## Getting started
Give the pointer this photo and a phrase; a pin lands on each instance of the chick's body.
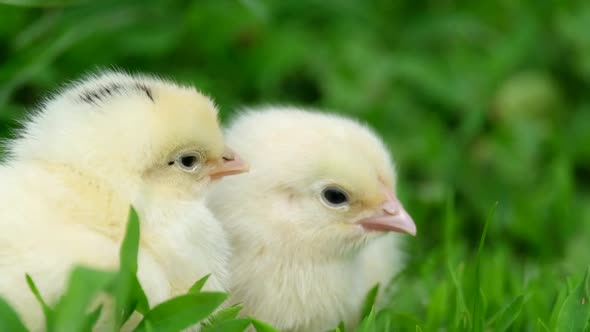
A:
(306, 224)
(101, 145)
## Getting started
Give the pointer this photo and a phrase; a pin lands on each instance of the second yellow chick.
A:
(316, 222)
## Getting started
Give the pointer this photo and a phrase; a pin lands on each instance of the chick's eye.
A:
(334, 196)
(188, 162)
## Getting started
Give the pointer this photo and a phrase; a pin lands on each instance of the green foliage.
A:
(461, 300)
(181, 312)
(197, 286)
(9, 319)
(47, 311)
(83, 287)
(505, 317)
(368, 323)
(40, 3)
(260, 326)
(230, 325)
(575, 311)
(480, 102)
(129, 295)
(228, 313)
(369, 302)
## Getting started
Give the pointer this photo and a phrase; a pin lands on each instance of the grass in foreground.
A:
(471, 285)
(486, 290)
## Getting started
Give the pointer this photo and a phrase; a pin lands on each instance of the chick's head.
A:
(142, 135)
(317, 182)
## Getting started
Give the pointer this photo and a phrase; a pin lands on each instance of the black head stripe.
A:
(145, 89)
(103, 93)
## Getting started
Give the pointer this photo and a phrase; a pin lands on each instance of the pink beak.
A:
(391, 217)
(232, 164)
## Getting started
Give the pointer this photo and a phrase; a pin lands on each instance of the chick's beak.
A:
(231, 164)
(391, 217)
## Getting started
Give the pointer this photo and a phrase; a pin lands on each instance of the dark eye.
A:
(188, 162)
(334, 196)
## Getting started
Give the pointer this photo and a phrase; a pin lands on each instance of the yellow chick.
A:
(310, 223)
(98, 146)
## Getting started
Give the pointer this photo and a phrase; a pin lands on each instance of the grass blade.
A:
(368, 324)
(199, 284)
(130, 246)
(47, 311)
(557, 305)
(450, 224)
(223, 315)
(9, 319)
(477, 311)
(181, 312)
(83, 286)
(91, 319)
(541, 326)
(575, 312)
(127, 290)
(260, 326)
(369, 301)
(507, 315)
(461, 312)
(230, 325)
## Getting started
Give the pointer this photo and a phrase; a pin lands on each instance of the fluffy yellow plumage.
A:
(308, 222)
(95, 148)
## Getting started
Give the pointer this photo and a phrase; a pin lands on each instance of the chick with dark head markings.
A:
(315, 224)
(99, 146)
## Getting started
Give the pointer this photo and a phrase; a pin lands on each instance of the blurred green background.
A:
(481, 102)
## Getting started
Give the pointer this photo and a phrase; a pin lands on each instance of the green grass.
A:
(76, 310)
(486, 107)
